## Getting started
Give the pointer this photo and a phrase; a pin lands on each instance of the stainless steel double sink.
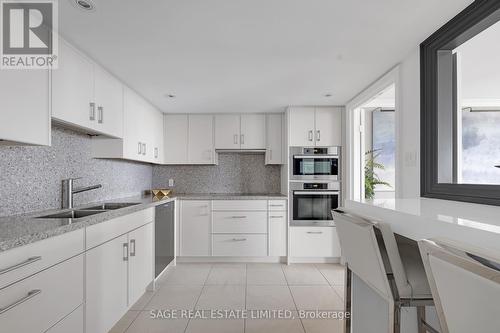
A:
(88, 211)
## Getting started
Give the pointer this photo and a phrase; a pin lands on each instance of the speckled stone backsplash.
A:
(30, 177)
(236, 173)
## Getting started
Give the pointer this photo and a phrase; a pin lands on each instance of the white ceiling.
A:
(251, 55)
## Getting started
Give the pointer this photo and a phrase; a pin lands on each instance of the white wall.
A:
(409, 125)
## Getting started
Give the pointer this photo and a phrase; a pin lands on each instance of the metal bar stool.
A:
(465, 283)
(390, 264)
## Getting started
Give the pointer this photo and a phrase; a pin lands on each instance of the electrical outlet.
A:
(170, 182)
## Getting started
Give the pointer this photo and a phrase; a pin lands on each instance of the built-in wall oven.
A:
(312, 202)
(315, 163)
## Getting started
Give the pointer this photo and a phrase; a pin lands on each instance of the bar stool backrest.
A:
(465, 284)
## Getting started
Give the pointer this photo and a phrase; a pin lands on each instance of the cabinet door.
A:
(253, 131)
(195, 228)
(109, 103)
(201, 139)
(25, 114)
(301, 126)
(133, 123)
(277, 233)
(157, 133)
(140, 267)
(176, 138)
(106, 284)
(227, 131)
(73, 88)
(274, 142)
(328, 126)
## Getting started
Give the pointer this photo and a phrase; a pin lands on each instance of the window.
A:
(461, 107)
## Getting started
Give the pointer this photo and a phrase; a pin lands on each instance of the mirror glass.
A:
(468, 104)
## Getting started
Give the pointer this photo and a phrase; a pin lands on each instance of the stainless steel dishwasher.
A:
(164, 236)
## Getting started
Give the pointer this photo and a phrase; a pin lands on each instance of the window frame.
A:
(461, 28)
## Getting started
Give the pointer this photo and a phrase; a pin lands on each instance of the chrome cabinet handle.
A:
(276, 216)
(21, 264)
(238, 217)
(100, 114)
(315, 232)
(318, 135)
(239, 239)
(156, 152)
(139, 150)
(310, 135)
(92, 111)
(132, 247)
(276, 206)
(125, 251)
(29, 296)
(144, 149)
(242, 139)
(235, 139)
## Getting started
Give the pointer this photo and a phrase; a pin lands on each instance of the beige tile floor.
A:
(203, 288)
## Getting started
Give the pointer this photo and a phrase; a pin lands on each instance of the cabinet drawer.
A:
(277, 205)
(239, 245)
(239, 205)
(23, 261)
(240, 222)
(105, 231)
(42, 299)
(314, 242)
(72, 323)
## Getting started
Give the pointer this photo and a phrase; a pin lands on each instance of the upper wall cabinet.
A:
(86, 96)
(25, 110)
(189, 139)
(240, 132)
(315, 126)
(274, 139)
(142, 133)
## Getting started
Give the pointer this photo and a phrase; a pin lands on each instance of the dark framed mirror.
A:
(460, 107)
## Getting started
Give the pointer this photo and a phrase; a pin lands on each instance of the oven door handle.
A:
(316, 193)
(315, 156)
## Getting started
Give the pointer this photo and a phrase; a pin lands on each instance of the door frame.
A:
(353, 189)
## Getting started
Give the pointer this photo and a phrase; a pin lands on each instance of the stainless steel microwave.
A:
(315, 163)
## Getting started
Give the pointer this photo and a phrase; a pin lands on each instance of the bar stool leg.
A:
(397, 318)
(421, 319)
(347, 299)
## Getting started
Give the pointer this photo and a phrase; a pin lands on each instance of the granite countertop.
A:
(19, 230)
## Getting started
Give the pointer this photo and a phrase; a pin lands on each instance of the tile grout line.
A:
(133, 320)
(199, 296)
(293, 298)
(246, 290)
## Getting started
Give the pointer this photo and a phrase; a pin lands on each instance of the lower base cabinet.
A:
(314, 242)
(140, 264)
(239, 245)
(277, 233)
(41, 301)
(106, 279)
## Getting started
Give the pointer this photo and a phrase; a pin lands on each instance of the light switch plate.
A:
(170, 182)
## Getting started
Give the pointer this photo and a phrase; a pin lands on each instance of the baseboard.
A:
(317, 260)
(231, 259)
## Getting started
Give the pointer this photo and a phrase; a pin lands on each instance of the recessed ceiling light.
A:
(328, 95)
(86, 5)
(170, 95)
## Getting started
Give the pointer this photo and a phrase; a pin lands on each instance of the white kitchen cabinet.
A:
(176, 139)
(246, 131)
(72, 323)
(274, 139)
(106, 284)
(227, 131)
(140, 265)
(25, 114)
(195, 228)
(73, 88)
(314, 242)
(328, 126)
(277, 230)
(253, 131)
(201, 139)
(315, 126)
(37, 303)
(108, 97)
(239, 245)
(301, 126)
(158, 140)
